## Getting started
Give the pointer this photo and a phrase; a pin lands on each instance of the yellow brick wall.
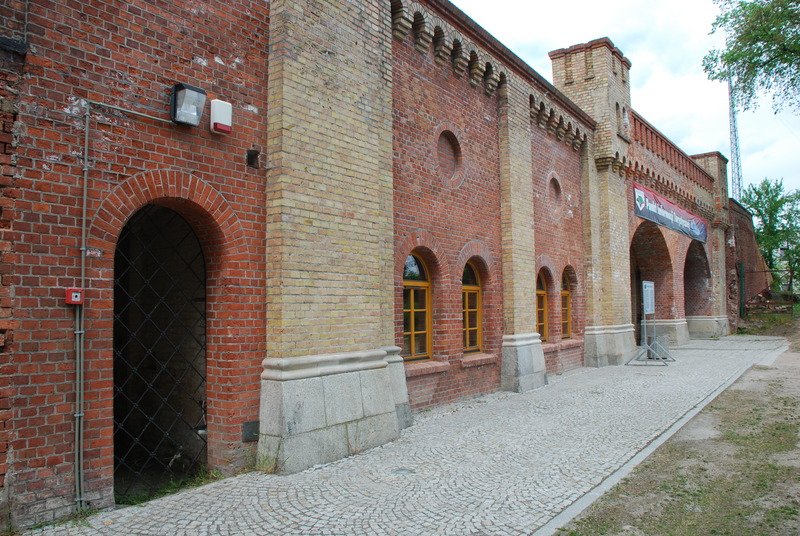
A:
(516, 208)
(329, 189)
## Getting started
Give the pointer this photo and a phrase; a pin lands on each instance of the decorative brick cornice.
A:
(449, 45)
(487, 68)
(557, 123)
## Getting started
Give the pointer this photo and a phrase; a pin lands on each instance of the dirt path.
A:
(732, 470)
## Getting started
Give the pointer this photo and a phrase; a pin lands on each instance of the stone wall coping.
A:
(476, 360)
(667, 321)
(522, 339)
(423, 368)
(564, 344)
(608, 330)
(297, 368)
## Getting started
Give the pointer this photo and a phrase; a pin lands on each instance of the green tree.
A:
(790, 252)
(777, 228)
(762, 51)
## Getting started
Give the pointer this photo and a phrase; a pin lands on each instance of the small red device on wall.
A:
(221, 117)
(74, 296)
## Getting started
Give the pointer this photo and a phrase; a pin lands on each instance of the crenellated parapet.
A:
(449, 46)
(557, 123)
(433, 34)
(658, 144)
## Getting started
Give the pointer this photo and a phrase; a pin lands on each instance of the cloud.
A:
(666, 42)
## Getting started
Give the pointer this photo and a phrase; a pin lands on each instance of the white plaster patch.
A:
(200, 61)
(75, 106)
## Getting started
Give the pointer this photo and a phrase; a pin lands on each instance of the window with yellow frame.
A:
(471, 304)
(541, 307)
(416, 310)
(566, 308)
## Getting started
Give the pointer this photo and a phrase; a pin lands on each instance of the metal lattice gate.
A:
(159, 355)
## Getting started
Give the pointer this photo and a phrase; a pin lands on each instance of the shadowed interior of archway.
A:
(159, 355)
(650, 261)
(697, 282)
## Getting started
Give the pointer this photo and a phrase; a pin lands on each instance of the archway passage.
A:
(697, 282)
(650, 261)
(159, 355)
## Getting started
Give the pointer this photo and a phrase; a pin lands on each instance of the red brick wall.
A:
(447, 221)
(129, 54)
(10, 68)
(558, 212)
(745, 251)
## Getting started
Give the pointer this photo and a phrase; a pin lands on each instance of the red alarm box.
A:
(74, 296)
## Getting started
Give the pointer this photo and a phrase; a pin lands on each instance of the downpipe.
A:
(80, 318)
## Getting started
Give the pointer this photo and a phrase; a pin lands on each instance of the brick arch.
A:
(697, 295)
(432, 253)
(572, 275)
(236, 318)
(651, 258)
(472, 250)
(545, 261)
(181, 191)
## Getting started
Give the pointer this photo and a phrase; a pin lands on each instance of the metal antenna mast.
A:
(736, 157)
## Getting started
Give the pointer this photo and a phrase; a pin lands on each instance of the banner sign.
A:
(651, 206)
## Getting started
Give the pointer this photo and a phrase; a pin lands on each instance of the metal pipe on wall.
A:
(80, 319)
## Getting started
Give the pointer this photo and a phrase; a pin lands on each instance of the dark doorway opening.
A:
(650, 261)
(159, 355)
(698, 299)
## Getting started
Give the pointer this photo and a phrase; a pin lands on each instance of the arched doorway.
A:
(159, 354)
(650, 261)
(697, 282)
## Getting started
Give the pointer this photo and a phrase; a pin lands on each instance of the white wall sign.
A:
(649, 297)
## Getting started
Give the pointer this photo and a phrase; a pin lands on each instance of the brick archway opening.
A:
(650, 261)
(697, 282)
(235, 320)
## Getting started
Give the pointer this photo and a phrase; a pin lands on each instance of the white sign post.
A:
(649, 297)
(651, 352)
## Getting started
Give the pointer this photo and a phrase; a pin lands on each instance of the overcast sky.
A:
(666, 42)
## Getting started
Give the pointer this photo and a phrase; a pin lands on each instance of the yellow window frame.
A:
(566, 314)
(541, 314)
(466, 292)
(414, 332)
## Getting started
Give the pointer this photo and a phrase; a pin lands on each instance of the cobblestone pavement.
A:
(501, 464)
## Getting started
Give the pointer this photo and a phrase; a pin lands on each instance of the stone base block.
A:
(295, 453)
(708, 327)
(523, 367)
(397, 379)
(609, 345)
(320, 409)
(672, 332)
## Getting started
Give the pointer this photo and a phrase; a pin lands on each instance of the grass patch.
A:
(768, 323)
(168, 488)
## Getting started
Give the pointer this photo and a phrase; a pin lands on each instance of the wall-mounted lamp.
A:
(187, 104)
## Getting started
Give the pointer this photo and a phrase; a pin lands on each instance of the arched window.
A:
(566, 307)
(471, 307)
(416, 310)
(541, 307)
